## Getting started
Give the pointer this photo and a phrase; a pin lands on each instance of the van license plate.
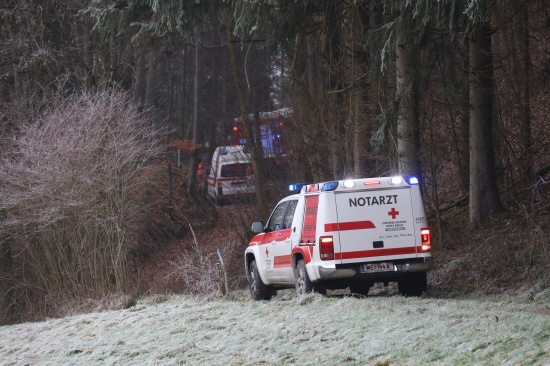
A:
(376, 267)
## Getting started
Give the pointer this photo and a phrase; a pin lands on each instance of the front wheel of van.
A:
(258, 289)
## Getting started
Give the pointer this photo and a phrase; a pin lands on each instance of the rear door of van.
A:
(236, 178)
(374, 225)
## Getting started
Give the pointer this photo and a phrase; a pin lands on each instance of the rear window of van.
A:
(235, 170)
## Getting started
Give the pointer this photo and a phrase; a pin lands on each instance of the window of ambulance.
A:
(282, 216)
(234, 170)
(276, 219)
(289, 216)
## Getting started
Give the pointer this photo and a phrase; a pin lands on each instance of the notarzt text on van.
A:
(372, 201)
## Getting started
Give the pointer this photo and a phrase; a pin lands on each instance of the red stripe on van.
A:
(375, 253)
(309, 228)
(282, 261)
(355, 225)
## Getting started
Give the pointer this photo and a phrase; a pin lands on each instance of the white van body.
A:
(230, 174)
(342, 234)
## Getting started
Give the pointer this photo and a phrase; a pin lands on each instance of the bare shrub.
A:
(512, 253)
(65, 197)
(201, 271)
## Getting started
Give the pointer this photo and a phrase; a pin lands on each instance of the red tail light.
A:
(327, 248)
(426, 240)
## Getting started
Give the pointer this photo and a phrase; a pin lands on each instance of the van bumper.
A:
(332, 272)
(416, 267)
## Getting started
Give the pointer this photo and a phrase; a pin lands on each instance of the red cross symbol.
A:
(266, 252)
(393, 213)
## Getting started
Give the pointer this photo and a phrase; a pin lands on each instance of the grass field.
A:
(313, 330)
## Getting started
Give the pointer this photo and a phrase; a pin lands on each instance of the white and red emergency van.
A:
(230, 173)
(340, 234)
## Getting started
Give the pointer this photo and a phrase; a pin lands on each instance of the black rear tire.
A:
(258, 289)
(303, 283)
(414, 284)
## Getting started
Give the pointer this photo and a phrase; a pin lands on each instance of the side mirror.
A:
(258, 227)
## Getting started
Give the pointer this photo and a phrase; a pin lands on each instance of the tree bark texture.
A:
(408, 134)
(150, 90)
(484, 197)
(333, 53)
(244, 107)
(523, 73)
(141, 71)
(192, 173)
(6, 282)
(360, 109)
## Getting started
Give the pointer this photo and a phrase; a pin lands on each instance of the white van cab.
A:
(340, 234)
(230, 173)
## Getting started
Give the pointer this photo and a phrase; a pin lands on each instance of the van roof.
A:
(233, 154)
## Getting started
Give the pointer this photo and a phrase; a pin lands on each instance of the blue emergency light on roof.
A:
(330, 186)
(246, 150)
(412, 180)
(296, 187)
(223, 151)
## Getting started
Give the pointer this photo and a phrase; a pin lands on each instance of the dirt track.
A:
(159, 272)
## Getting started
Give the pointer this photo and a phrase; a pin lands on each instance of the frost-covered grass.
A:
(314, 330)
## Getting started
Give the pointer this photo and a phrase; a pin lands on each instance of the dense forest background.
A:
(99, 98)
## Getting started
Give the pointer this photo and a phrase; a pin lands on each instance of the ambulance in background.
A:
(230, 174)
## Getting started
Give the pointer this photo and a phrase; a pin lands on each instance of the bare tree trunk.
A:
(6, 282)
(150, 91)
(359, 133)
(524, 82)
(258, 133)
(183, 100)
(463, 152)
(245, 113)
(360, 63)
(334, 58)
(336, 147)
(192, 173)
(111, 72)
(408, 135)
(140, 87)
(87, 52)
(305, 109)
(484, 197)
(313, 98)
